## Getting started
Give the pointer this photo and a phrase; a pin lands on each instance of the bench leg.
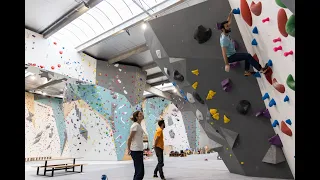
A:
(45, 168)
(81, 168)
(38, 171)
(52, 172)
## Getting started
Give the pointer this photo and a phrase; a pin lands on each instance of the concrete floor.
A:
(192, 167)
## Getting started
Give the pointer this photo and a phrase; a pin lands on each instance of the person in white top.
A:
(135, 145)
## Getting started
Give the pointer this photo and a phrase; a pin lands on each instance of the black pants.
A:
(249, 60)
(137, 157)
(159, 153)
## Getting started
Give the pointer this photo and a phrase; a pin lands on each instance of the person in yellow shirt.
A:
(158, 147)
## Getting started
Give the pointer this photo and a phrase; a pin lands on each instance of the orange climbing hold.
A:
(279, 87)
(268, 75)
(285, 129)
(245, 12)
(256, 8)
(282, 21)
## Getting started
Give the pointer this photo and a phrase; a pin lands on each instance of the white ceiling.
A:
(39, 14)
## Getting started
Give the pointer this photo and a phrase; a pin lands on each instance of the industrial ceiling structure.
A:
(107, 30)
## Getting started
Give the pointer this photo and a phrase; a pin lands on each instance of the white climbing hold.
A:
(199, 115)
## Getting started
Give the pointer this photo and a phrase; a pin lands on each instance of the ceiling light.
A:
(44, 93)
(144, 26)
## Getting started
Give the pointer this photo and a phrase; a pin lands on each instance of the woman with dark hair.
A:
(135, 145)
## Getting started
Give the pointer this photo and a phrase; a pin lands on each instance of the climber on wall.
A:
(229, 53)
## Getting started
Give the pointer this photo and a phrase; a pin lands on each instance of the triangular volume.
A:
(274, 155)
(230, 136)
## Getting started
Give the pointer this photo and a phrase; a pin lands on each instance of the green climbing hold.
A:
(279, 3)
(290, 26)
(290, 82)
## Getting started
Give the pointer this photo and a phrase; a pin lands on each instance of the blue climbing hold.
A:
(174, 84)
(269, 63)
(185, 98)
(288, 121)
(255, 30)
(265, 96)
(236, 11)
(181, 91)
(104, 177)
(257, 75)
(275, 123)
(272, 103)
(286, 99)
(254, 42)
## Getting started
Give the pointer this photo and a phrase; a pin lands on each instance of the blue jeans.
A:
(249, 60)
(137, 157)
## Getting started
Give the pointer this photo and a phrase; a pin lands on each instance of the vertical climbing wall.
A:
(171, 43)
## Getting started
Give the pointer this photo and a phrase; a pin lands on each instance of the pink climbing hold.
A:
(265, 20)
(60, 52)
(52, 67)
(277, 48)
(288, 53)
(277, 40)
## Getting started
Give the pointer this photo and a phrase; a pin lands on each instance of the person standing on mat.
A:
(158, 147)
(135, 145)
(229, 53)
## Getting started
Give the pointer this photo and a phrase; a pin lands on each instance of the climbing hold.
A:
(255, 57)
(272, 103)
(282, 20)
(268, 75)
(52, 67)
(290, 82)
(236, 11)
(234, 64)
(265, 20)
(41, 66)
(257, 75)
(275, 49)
(290, 26)
(195, 72)
(166, 71)
(256, 8)
(190, 98)
(243, 107)
(197, 97)
(255, 30)
(59, 65)
(254, 42)
(225, 119)
(226, 85)
(210, 94)
(275, 140)
(216, 116)
(279, 87)
(174, 84)
(263, 112)
(104, 177)
(285, 129)
(195, 85)
(213, 111)
(279, 3)
(245, 12)
(177, 76)
(269, 63)
(202, 34)
(265, 96)
(199, 115)
(60, 52)
(288, 53)
(288, 121)
(241, 162)
(54, 43)
(275, 123)
(277, 40)
(286, 99)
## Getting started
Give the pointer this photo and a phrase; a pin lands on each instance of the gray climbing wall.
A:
(245, 137)
(127, 80)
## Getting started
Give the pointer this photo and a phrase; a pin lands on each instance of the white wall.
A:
(44, 52)
(282, 66)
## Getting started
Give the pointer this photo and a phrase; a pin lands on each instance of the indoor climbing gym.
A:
(159, 89)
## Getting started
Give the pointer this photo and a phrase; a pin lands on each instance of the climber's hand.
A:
(227, 67)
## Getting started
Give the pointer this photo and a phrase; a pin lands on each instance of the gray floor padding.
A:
(192, 167)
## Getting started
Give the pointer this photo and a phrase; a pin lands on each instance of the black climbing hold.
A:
(243, 107)
(202, 34)
(177, 76)
(197, 97)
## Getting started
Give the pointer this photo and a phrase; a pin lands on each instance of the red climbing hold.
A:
(59, 65)
(52, 67)
(60, 52)
(282, 20)
(279, 87)
(265, 20)
(256, 8)
(41, 66)
(54, 43)
(255, 57)
(34, 65)
(245, 12)
(285, 129)
(268, 75)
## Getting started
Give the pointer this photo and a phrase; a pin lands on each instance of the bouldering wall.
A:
(275, 40)
(245, 148)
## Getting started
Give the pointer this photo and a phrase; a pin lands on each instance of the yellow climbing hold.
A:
(195, 72)
(242, 163)
(227, 148)
(213, 111)
(195, 85)
(211, 123)
(226, 119)
(99, 74)
(230, 155)
(210, 94)
(216, 116)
